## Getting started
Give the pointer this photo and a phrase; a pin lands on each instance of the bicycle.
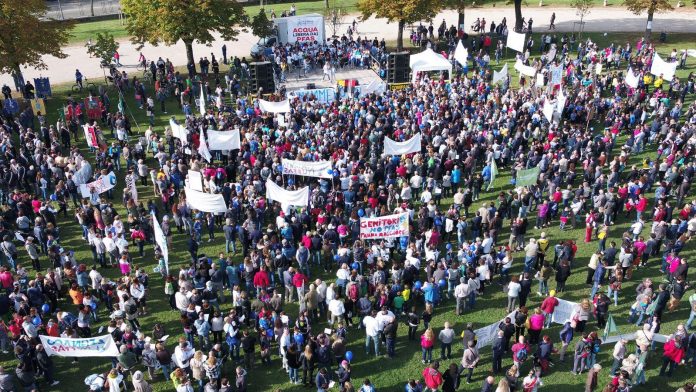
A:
(76, 88)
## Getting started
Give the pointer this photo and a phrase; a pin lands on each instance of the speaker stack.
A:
(398, 70)
(261, 77)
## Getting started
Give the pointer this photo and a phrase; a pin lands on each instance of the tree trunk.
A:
(648, 26)
(189, 54)
(518, 16)
(400, 36)
(460, 20)
(326, 4)
(91, 7)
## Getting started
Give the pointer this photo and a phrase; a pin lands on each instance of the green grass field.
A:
(386, 374)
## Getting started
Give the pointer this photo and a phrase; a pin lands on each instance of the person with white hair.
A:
(139, 383)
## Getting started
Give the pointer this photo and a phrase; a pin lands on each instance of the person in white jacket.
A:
(337, 309)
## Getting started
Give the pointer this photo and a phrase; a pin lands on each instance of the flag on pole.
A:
(121, 104)
(201, 102)
(203, 147)
(161, 241)
(610, 327)
(494, 172)
(502, 75)
(461, 54)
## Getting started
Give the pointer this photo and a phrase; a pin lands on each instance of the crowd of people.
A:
(238, 307)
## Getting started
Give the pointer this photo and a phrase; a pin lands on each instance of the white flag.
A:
(161, 241)
(203, 148)
(548, 110)
(201, 102)
(515, 41)
(461, 54)
(502, 75)
(560, 103)
(631, 79)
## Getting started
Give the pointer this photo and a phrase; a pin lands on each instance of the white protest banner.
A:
(286, 198)
(206, 202)
(305, 29)
(548, 110)
(525, 69)
(392, 147)
(101, 185)
(502, 75)
(598, 69)
(274, 107)
(515, 41)
(178, 131)
(661, 67)
(556, 75)
(563, 311)
(161, 241)
(691, 52)
(631, 79)
(485, 335)
(323, 95)
(461, 54)
(201, 102)
(203, 147)
(98, 346)
(308, 169)
(223, 140)
(387, 226)
(83, 174)
(195, 180)
(132, 186)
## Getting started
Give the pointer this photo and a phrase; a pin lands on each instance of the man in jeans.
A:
(371, 332)
(446, 337)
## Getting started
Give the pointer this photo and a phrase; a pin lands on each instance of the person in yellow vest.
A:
(658, 82)
(543, 245)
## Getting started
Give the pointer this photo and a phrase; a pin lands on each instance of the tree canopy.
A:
(649, 6)
(401, 11)
(104, 47)
(261, 26)
(25, 35)
(168, 21)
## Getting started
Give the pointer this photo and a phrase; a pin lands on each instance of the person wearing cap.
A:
(548, 306)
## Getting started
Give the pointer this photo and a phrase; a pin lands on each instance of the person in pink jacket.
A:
(536, 324)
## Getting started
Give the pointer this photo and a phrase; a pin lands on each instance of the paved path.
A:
(600, 19)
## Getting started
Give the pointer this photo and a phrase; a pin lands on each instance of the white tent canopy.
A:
(428, 60)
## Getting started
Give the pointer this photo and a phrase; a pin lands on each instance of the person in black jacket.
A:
(499, 346)
(46, 365)
(249, 347)
(390, 335)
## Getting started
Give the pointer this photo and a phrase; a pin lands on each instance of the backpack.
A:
(131, 308)
(522, 355)
(595, 347)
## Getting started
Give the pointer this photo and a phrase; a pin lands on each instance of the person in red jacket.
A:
(673, 354)
(299, 280)
(261, 281)
(548, 306)
(641, 206)
(432, 377)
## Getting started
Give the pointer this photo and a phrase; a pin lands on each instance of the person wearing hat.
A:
(139, 383)
(548, 306)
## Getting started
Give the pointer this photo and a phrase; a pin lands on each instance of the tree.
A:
(518, 15)
(26, 35)
(460, 6)
(104, 47)
(582, 9)
(168, 21)
(401, 11)
(335, 16)
(260, 25)
(649, 6)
